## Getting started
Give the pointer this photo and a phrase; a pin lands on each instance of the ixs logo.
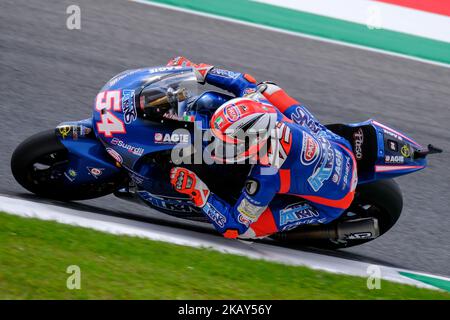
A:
(310, 150)
(358, 140)
(128, 106)
(134, 150)
(171, 138)
(215, 215)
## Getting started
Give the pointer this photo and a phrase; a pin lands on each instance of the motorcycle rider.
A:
(302, 158)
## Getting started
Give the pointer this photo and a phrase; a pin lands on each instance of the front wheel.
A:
(39, 164)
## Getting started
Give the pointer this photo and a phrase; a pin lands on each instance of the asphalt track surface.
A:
(49, 74)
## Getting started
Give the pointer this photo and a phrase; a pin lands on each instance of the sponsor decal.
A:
(171, 138)
(70, 175)
(116, 79)
(189, 118)
(76, 130)
(251, 200)
(394, 159)
(297, 213)
(310, 150)
(64, 130)
(116, 156)
(302, 117)
(359, 235)
(162, 69)
(249, 91)
(251, 187)
(338, 167)
(392, 145)
(358, 140)
(167, 203)
(346, 173)
(158, 137)
(171, 116)
(137, 151)
(224, 73)
(324, 168)
(250, 211)
(84, 131)
(405, 151)
(232, 113)
(128, 106)
(121, 76)
(392, 134)
(95, 172)
(244, 220)
(214, 215)
(218, 123)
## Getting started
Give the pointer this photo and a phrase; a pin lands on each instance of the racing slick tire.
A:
(38, 164)
(381, 200)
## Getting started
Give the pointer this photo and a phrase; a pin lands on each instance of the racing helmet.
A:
(242, 128)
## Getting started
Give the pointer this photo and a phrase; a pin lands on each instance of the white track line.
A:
(178, 236)
(297, 34)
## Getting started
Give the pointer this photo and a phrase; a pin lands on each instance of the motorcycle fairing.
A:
(380, 151)
(137, 136)
(87, 157)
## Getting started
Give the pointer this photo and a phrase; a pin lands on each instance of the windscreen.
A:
(168, 95)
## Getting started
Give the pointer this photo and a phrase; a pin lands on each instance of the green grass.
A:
(34, 256)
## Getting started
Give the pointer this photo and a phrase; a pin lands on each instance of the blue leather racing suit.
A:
(311, 163)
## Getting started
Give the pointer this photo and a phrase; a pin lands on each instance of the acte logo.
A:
(171, 138)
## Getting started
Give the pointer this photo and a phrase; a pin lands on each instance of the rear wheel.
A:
(39, 164)
(381, 200)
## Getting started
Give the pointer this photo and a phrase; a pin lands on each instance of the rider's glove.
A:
(201, 69)
(187, 182)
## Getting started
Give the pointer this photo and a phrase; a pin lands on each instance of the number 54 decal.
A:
(109, 124)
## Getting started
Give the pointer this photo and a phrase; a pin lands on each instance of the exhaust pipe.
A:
(358, 229)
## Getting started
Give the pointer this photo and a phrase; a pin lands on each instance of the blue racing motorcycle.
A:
(148, 120)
